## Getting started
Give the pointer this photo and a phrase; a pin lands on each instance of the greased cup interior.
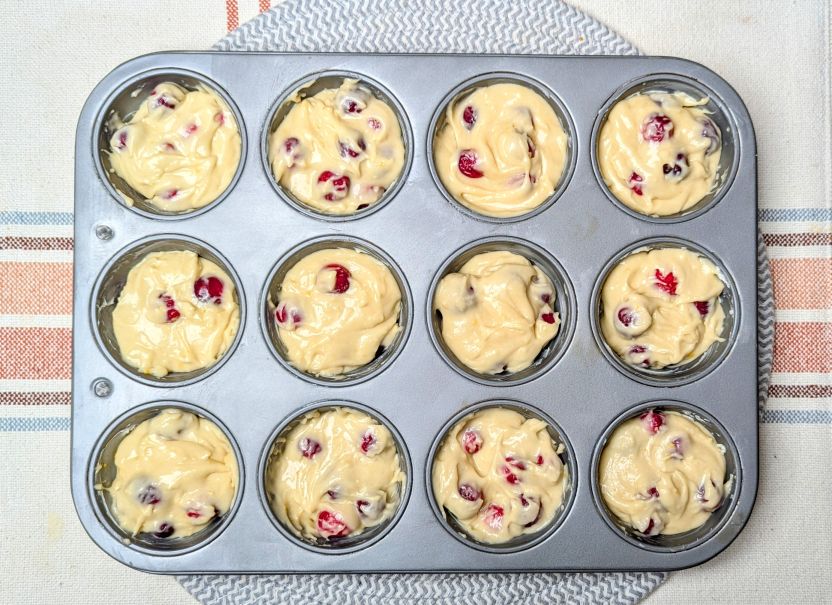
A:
(102, 472)
(271, 293)
(112, 279)
(278, 441)
(564, 304)
(523, 541)
(309, 86)
(718, 112)
(680, 374)
(733, 473)
(462, 90)
(122, 104)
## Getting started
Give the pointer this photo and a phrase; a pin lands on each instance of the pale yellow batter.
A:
(499, 474)
(501, 150)
(338, 473)
(175, 473)
(338, 151)
(659, 152)
(336, 307)
(662, 307)
(497, 312)
(662, 473)
(180, 150)
(177, 312)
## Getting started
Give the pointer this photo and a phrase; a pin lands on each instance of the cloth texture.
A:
(53, 54)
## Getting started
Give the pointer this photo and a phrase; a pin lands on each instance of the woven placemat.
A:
(445, 26)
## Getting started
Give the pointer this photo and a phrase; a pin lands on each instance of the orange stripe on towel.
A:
(232, 15)
(802, 347)
(36, 288)
(265, 5)
(802, 283)
(35, 353)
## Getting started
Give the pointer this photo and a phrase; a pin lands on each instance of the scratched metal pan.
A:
(415, 386)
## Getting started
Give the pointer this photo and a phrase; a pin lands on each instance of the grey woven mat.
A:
(434, 26)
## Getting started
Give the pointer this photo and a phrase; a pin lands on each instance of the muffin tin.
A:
(415, 386)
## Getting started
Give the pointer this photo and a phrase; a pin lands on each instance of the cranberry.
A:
(209, 289)
(546, 298)
(530, 147)
(351, 106)
(549, 318)
(635, 181)
(290, 144)
(518, 464)
(340, 185)
(333, 494)
(626, 316)
(171, 312)
(309, 447)
(219, 118)
(190, 129)
(493, 516)
(342, 278)
(467, 164)
(170, 194)
(539, 460)
(702, 306)
(122, 139)
(368, 440)
(374, 123)
(149, 495)
(165, 530)
(331, 525)
(163, 101)
(469, 116)
(537, 510)
(168, 147)
(468, 492)
(650, 527)
(193, 513)
(656, 128)
(282, 314)
(653, 492)
(710, 132)
(347, 151)
(666, 283)
(678, 170)
(636, 349)
(362, 505)
(652, 421)
(471, 441)
(509, 476)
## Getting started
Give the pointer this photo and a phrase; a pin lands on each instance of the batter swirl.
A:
(335, 309)
(499, 474)
(338, 474)
(180, 150)
(501, 150)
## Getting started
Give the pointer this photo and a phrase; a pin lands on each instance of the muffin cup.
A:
(677, 375)
(108, 287)
(312, 85)
(123, 103)
(695, 537)
(101, 472)
(523, 541)
(271, 292)
(348, 544)
(481, 81)
(724, 119)
(565, 305)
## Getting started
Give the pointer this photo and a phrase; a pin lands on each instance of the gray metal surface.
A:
(418, 392)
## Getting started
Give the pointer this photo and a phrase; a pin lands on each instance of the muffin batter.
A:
(659, 152)
(662, 473)
(338, 474)
(499, 474)
(661, 307)
(501, 150)
(177, 313)
(338, 151)
(180, 150)
(175, 473)
(497, 312)
(336, 307)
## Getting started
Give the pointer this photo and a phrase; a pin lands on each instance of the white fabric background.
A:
(775, 53)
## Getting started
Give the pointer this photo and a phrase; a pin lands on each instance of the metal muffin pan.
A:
(417, 388)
